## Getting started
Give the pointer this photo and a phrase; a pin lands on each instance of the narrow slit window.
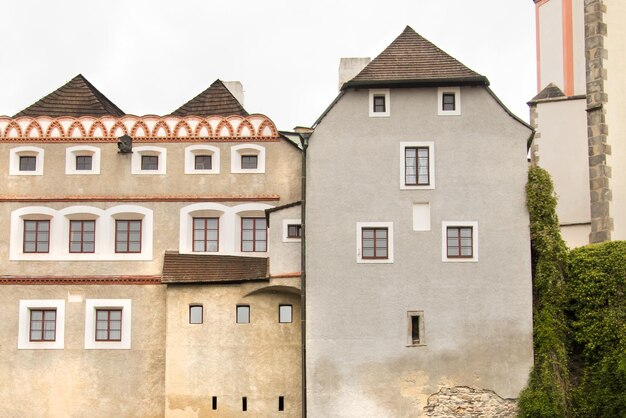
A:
(214, 403)
(415, 324)
(244, 403)
(195, 314)
(281, 403)
(415, 329)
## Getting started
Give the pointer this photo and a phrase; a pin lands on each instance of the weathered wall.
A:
(477, 316)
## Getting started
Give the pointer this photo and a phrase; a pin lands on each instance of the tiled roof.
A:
(76, 98)
(216, 100)
(412, 59)
(193, 268)
(551, 91)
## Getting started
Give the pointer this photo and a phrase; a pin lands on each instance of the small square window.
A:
(43, 324)
(285, 314)
(379, 103)
(294, 231)
(374, 243)
(28, 163)
(108, 325)
(82, 236)
(448, 102)
(149, 162)
(203, 162)
(460, 242)
(243, 314)
(36, 236)
(249, 162)
(415, 323)
(195, 314)
(84, 162)
(127, 236)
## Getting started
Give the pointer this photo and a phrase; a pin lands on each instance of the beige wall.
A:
(285, 251)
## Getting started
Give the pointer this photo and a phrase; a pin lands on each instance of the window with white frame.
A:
(253, 234)
(459, 241)
(449, 101)
(247, 158)
(374, 242)
(108, 324)
(149, 160)
(417, 165)
(379, 103)
(36, 236)
(206, 233)
(202, 159)
(292, 230)
(82, 159)
(41, 324)
(26, 161)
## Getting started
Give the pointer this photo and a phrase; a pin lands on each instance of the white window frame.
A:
(147, 150)
(359, 236)
(190, 162)
(79, 151)
(379, 92)
(286, 223)
(90, 324)
(27, 151)
(457, 101)
(444, 241)
(23, 338)
(431, 164)
(237, 151)
(409, 328)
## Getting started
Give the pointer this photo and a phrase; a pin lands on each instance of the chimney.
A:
(236, 89)
(350, 67)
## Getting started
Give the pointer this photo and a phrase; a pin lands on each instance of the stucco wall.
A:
(477, 316)
(285, 251)
(551, 44)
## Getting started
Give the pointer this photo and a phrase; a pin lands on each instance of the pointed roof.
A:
(551, 91)
(216, 100)
(76, 98)
(413, 60)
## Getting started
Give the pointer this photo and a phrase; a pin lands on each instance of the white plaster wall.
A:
(576, 235)
(285, 253)
(551, 43)
(478, 316)
(578, 27)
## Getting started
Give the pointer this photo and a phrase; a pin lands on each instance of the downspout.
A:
(304, 141)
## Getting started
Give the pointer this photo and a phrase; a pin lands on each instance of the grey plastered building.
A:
(418, 249)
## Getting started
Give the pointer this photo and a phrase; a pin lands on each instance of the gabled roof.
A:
(216, 100)
(198, 268)
(551, 91)
(413, 60)
(76, 98)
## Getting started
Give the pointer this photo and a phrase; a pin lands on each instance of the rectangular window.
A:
(195, 314)
(416, 166)
(203, 162)
(149, 162)
(243, 314)
(214, 403)
(36, 236)
(281, 403)
(285, 314)
(205, 234)
(108, 324)
(460, 241)
(374, 243)
(83, 162)
(448, 102)
(415, 322)
(379, 103)
(294, 231)
(253, 235)
(28, 163)
(127, 236)
(244, 403)
(43, 324)
(82, 236)
(249, 161)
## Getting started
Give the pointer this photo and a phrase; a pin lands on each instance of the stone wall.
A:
(466, 402)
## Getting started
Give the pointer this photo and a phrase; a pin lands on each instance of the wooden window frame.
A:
(43, 323)
(81, 160)
(205, 230)
(82, 236)
(375, 256)
(37, 242)
(127, 241)
(298, 231)
(196, 157)
(147, 161)
(254, 239)
(108, 321)
(458, 238)
(443, 102)
(252, 157)
(418, 166)
(376, 107)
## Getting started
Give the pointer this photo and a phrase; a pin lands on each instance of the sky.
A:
(151, 56)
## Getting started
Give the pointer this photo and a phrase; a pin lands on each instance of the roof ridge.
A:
(217, 99)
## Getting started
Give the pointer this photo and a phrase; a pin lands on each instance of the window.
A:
(149, 162)
(203, 162)
(374, 242)
(417, 165)
(249, 162)
(244, 403)
(253, 235)
(415, 326)
(294, 231)
(108, 324)
(205, 234)
(127, 236)
(459, 241)
(82, 159)
(36, 236)
(195, 314)
(285, 314)
(43, 324)
(281, 403)
(82, 236)
(379, 104)
(83, 162)
(28, 163)
(416, 171)
(243, 314)
(449, 101)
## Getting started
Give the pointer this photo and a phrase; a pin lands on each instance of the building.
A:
(138, 274)
(418, 257)
(577, 114)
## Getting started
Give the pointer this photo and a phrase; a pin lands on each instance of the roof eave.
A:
(429, 82)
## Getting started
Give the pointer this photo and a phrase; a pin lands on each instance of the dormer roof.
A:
(413, 60)
(78, 97)
(216, 100)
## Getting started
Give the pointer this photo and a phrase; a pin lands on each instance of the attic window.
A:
(379, 104)
(449, 101)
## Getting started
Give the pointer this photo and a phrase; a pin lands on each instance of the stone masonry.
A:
(466, 402)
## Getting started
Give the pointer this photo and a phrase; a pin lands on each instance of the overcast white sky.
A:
(151, 56)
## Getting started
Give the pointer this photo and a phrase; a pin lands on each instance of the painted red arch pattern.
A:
(155, 128)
